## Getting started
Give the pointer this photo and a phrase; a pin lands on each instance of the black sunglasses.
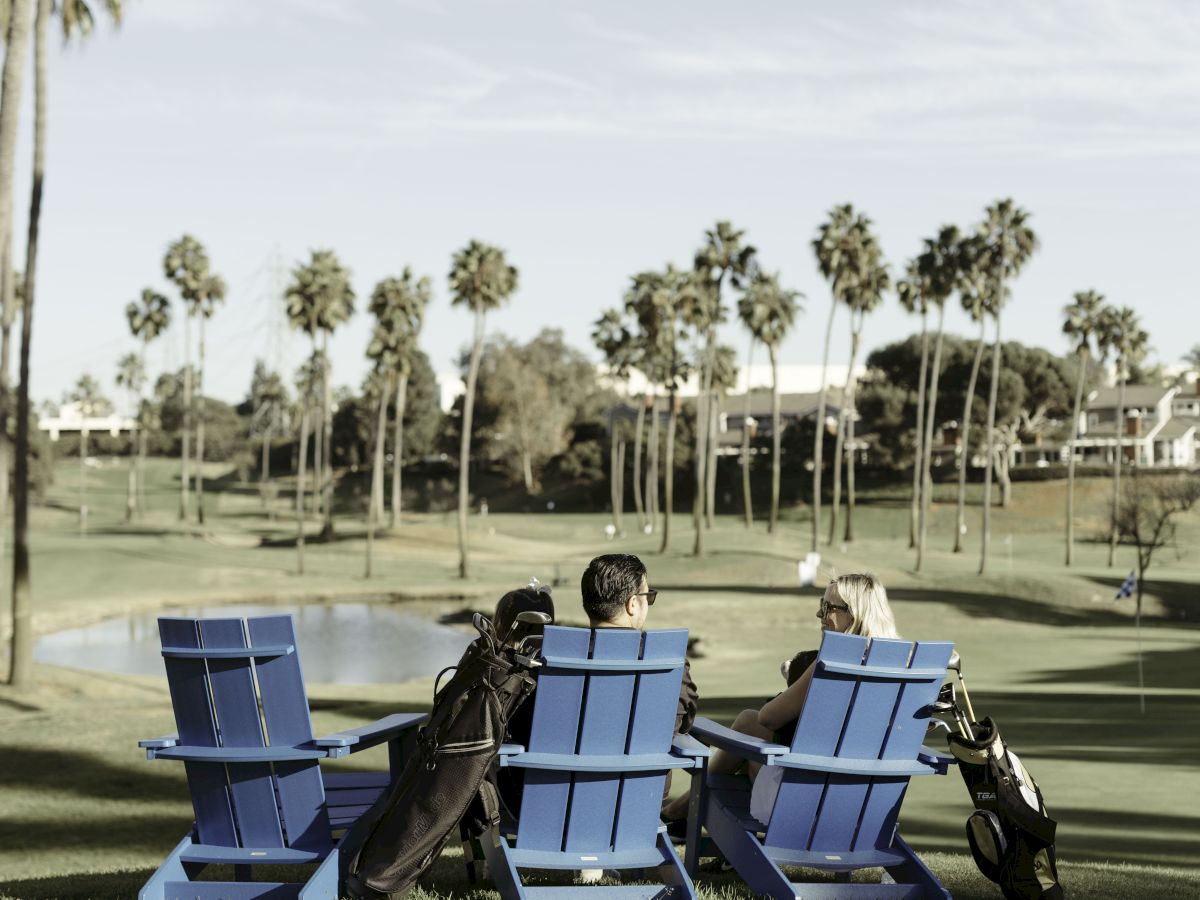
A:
(826, 606)
(649, 595)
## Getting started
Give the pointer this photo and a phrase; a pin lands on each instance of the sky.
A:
(595, 140)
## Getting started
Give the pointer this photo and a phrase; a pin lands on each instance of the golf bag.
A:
(1010, 834)
(413, 819)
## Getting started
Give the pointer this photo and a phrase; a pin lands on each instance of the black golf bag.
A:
(410, 823)
(1010, 834)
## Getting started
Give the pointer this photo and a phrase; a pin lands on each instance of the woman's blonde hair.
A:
(868, 602)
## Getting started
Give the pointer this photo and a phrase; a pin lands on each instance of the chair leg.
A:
(697, 812)
(913, 871)
(500, 866)
(672, 871)
(746, 854)
(172, 869)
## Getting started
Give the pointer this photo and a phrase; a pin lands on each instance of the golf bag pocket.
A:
(986, 840)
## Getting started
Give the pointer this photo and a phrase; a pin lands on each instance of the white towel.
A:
(762, 794)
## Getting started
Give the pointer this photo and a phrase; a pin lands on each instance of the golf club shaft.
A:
(966, 697)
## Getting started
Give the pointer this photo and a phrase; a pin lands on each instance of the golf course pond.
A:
(339, 643)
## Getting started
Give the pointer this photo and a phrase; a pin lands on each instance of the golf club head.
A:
(955, 664)
(533, 617)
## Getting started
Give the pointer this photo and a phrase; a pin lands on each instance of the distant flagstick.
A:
(1127, 588)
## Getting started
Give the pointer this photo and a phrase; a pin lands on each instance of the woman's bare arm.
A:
(786, 707)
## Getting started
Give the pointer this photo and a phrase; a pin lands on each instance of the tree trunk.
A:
(843, 418)
(819, 433)
(620, 486)
(652, 466)
(83, 510)
(1003, 466)
(327, 398)
(300, 488)
(398, 447)
(185, 438)
(637, 462)
(669, 472)
(991, 450)
(710, 475)
(1076, 412)
(926, 441)
(747, 502)
(131, 479)
(200, 426)
(375, 507)
(20, 672)
(914, 509)
(464, 448)
(264, 472)
(1137, 629)
(318, 466)
(964, 430)
(1116, 497)
(612, 467)
(527, 471)
(703, 399)
(850, 402)
(776, 438)
(143, 428)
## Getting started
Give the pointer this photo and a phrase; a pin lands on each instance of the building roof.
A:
(1177, 427)
(790, 405)
(1136, 396)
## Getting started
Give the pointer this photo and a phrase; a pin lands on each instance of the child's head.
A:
(519, 601)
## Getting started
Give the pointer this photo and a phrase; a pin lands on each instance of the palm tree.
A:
(1081, 321)
(613, 339)
(308, 389)
(1009, 242)
(147, 320)
(1192, 360)
(910, 290)
(131, 375)
(319, 299)
(723, 254)
(398, 305)
(768, 312)
(837, 251)
(975, 292)
(1120, 330)
(941, 267)
(89, 401)
(481, 280)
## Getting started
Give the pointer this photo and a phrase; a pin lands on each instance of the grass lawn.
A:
(1046, 652)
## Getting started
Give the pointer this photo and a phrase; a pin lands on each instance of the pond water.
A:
(341, 643)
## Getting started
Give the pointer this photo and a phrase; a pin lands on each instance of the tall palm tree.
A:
(212, 292)
(1120, 330)
(768, 311)
(723, 254)
(308, 390)
(612, 338)
(724, 379)
(975, 293)
(131, 376)
(941, 267)
(1009, 242)
(147, 318)
(910, 290)
(318, 300)
(1081, 320)
(837, 251)
(398, 305)
(481, 280)
(90, 401)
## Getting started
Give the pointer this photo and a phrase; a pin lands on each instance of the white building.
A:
(70, 420)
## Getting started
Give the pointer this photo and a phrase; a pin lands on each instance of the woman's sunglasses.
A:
(825, 607)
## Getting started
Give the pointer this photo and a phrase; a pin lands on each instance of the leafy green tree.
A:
(723, 254)
(1082, 319)
(90, 401)
(1120, 331)
(1009, 241)
(976, 293)
(480, 280)
(319, 299)
(611, 335)
(768, 311)
(131, 377)
(187, 266)
(148, 318)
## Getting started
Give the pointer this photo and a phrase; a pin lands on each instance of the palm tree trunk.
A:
(131, 478)
(83, 510)
(612, 468)
(701, 448)
(964, 431)
(843, 420)
(652, 465)
(318, 466)
(143, 428)
(1076, 412)
(621, 486)
(819, 432)
(710, 474)
(185, 438)
(914, 510)
(398, 446)
(669, 471)
(327, 400)
(776, 438)
(926, 441)
(199, 398)
(747, 502)
(303, 450)
(637, 462)
(264, 469)
(464, 448)
(985, 538)
(375, 513)
(20, 660)
(1116, 497)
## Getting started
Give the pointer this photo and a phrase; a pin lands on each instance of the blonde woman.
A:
(852, 604)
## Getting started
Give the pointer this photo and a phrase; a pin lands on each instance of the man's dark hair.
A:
(608, 582)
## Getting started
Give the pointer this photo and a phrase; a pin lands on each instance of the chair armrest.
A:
(749, 748)
(342, 743)
(939, 761)
(688, 746)
(159, 743)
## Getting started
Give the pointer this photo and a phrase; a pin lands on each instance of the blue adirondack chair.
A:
(599, 751)
(245, 739)
(857, 743)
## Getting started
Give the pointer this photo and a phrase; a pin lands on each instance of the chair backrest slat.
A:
(235, 700)
(285, 710)
(558, 702)
(191, 701)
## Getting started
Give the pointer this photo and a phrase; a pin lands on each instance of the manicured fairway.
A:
(1047, 653)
